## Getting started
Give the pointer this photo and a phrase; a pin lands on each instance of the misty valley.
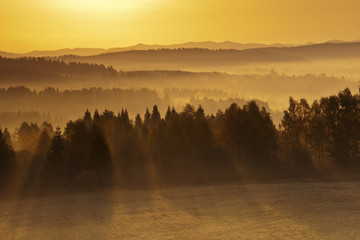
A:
(176, 120)
(166, 140)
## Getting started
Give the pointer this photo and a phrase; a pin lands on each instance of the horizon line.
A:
(183, 43)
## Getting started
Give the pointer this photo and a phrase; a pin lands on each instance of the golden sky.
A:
(52, 24)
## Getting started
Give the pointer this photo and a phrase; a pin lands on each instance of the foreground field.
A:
(263, 211)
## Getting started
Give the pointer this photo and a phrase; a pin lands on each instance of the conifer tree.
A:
(147, 118)
(87, 117)
(138, 121)
(56, 154)
(155, 116)
(100, 157)
(7, 156)
(168, 114)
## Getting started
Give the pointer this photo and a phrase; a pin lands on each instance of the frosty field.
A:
(254, 211)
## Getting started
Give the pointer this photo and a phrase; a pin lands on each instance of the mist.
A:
(160, 136)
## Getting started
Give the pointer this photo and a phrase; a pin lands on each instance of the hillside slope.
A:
(215, 60)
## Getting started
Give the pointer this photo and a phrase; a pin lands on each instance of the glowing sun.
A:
(103, 5)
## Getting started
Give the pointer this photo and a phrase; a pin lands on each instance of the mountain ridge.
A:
(187, 58)
(141, 46)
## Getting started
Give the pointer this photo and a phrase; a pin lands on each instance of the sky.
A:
(27, 25)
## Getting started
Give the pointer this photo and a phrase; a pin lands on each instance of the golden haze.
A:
(52, 24)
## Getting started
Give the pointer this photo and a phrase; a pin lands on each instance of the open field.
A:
(254, 211)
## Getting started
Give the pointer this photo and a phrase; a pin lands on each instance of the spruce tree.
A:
(7, 156)
(55, 156)
(155, 116)
(147, 118)
(100, 157)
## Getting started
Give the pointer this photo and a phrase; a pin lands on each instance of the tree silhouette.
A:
(147, 118)
(100, 156)
(87, 117)
(155, 116)
(251, 136)
(56, 153)
(295, 127)
(96, 116)
(189, 146)
(138, 121)
(77, 136)
(7, 157)
(200, 113)
(168, 114)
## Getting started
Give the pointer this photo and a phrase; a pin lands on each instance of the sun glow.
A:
(102, 5)
(51, 24)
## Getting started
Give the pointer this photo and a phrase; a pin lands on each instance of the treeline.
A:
(69, 104)
(178, 58)
(189, 147)
(195, 92)
(30, 69)
(107, 148)
(19, 104)
(328, 131)
(13, 119)
(50, 97)
(37, 72)
(36, 66)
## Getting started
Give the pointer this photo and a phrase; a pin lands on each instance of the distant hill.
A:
(30, 70)
(9, 55)
(185, 58)
(206, 44)
(334, 57)
(329, 50)
(39, 72)
(141, 46)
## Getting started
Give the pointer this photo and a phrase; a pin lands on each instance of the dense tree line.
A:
(326, 131)
(30, 69)
(189, 147)
(7, 157)
(13, 119)
(37, 72)
(56, 106)
(27, 66)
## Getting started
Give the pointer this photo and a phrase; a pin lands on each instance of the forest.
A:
(39, 89)
(38, 73)
(19, 104)
(318, 140)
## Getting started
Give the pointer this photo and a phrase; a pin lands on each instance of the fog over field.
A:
(321, 211)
